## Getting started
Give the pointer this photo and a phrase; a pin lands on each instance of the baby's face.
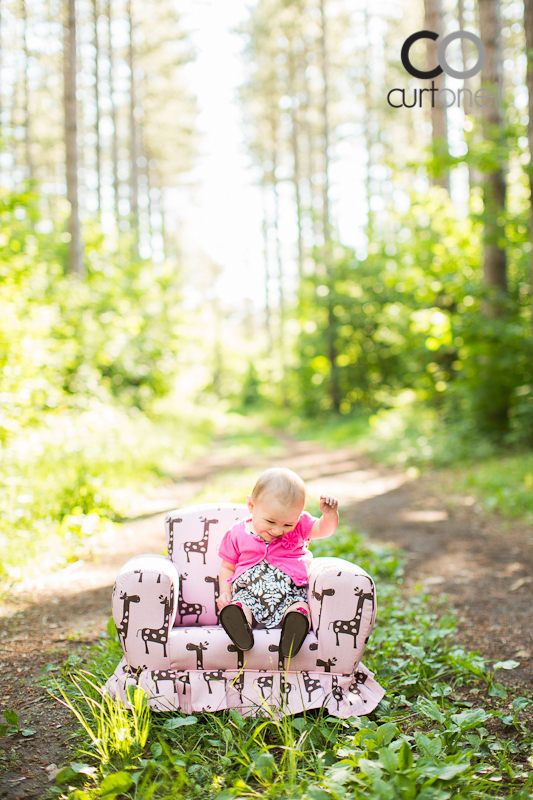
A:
(271, 519)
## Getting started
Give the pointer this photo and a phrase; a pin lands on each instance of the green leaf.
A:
(506, 665)
(470, 718)
(118, 783)
(85, 769)
(474, 740)
(28, 732)
(77, 794)
(429, 709)
(265, 765)
(11, 717)
(315, 792)
(389, 759)
(178, 722)
(405, 757)
(339, 774)
(371, 768)
(497, 690)
(416, 652)
(386, 733)
(431, 793)
(64, 775)
(300, 724)
(429, 747)
(111, 628)
(156, 749)
(444, 772)
(3, 729)
(48, 668)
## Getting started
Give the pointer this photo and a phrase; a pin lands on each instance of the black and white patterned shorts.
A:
(268, 592)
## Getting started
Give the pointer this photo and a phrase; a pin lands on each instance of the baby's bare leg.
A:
(296, 606)
(247, 612)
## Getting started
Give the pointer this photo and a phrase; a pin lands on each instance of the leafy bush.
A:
(82, 364)
(412, 315)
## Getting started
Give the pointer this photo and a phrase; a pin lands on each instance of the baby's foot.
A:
(293, 632)
(233, 620)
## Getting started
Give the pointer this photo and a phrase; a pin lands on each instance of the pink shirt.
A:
(289, 553)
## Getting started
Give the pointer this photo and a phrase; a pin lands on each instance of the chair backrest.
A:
(194, 534)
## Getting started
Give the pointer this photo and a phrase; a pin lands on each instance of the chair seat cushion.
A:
(210, 648)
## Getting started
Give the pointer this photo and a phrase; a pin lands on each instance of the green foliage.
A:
(427, 740)
(250, 395)
(64, 483)
(503, 483)
(64, 341)
(11, 726)
(413, 315)
(83, 365)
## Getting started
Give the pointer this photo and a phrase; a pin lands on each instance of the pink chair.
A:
(167, 621)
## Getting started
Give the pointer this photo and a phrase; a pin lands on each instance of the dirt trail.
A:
(485, 570)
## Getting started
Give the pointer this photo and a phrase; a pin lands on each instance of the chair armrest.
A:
(144, 605)
(343, 604)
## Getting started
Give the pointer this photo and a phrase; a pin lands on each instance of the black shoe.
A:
(233, 620)
(293, 632)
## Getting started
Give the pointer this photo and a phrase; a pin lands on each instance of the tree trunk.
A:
(325, 111)
(528, 27)
(218, 364)
(494, 188)
(334, 389)
(75, 263)
(134, 189)
(279, 259)
(97, 103)
(367, 100)
(113, 114)
(27, 132)
(295, 130)
(146, 153)
(1, 66)
(309, 163)
(433, 21)
(268, 325)
(471, 85)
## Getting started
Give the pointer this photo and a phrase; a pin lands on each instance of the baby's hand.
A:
(328, 504)
(224, 600)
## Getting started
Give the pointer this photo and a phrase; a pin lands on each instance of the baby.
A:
(266, 561)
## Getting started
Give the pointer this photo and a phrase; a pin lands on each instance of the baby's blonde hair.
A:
(285, 484)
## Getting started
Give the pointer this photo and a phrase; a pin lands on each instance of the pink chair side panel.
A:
(342, 599)
(144, 608)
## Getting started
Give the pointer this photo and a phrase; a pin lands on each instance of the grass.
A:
(445, 729)
(503, 483)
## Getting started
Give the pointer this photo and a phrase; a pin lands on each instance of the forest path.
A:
(481, 563)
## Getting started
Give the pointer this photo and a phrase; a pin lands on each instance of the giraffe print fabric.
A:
(167, 622)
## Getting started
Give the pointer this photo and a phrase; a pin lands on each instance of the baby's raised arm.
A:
(329, 521)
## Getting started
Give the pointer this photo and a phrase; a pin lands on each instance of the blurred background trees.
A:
(100, 341)
(438, 300)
